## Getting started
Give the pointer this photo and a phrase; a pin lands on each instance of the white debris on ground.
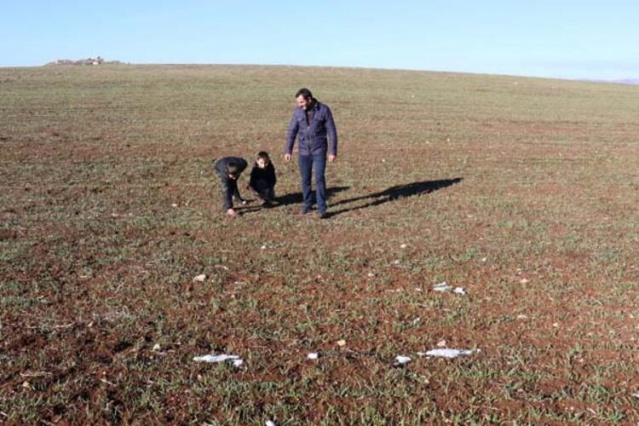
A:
(270, 423)
(401, 360)
(199, 278)
(312, 355)
(444, 287)
(447, 353)
(237, 361)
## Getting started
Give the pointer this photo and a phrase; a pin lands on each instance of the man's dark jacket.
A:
(315, 137)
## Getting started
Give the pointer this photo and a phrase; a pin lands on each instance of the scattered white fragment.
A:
(403, 246)
(237, 361)
(441, 344)
(270, 423)
(446, 353)
(443, 286)
(417, 320)
(371, 274)
(401, 359)
(484, 259)
(459, 290)
(636, 394)
(174, 205)
(522, 317)
(263, 247)
(200, 278)
(524, 281)
(156, 347)
(341, 343)
(312, 355)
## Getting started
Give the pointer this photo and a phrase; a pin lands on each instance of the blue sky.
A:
(574, 39)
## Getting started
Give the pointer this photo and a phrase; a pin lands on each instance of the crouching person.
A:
(229, 170)
(263, 179)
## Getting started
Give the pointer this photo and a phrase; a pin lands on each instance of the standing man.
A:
(312, 124)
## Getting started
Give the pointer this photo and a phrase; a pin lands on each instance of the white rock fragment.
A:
(443, 286)
(401, 360)
(199, 278)
(270, 423)
(403, 246)
(460, 291)
(156, 347)
(312, 355)
(446, 353)
(237, 361)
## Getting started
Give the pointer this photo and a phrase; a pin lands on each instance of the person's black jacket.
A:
(267, 174)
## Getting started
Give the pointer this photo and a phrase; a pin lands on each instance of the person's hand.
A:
(231, 212)
(331, 158)
(287, 157)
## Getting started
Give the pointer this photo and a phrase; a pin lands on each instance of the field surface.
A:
(521, 195)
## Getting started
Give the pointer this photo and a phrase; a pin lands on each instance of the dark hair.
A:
(304, 92)
(262, 155)
(233, 168)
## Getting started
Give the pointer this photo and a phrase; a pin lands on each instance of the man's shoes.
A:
(305, 210)
(322, 215)
(266, 204)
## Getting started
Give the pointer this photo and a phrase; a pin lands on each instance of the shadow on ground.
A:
(296, 198)
(395, 192)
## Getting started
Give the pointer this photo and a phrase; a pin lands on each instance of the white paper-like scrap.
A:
(237, 361)
(401, 359)
(446, 353)
(312, 355)
(199, 278)
(459, 290)
(270, 423)
(443, 286)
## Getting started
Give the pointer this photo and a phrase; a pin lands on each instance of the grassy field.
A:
(522, 192)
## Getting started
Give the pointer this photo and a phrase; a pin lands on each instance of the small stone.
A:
(341, 343)
(200, 278)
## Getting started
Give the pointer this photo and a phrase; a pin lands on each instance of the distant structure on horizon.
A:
(88, 61)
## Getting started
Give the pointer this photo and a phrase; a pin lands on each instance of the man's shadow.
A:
(395, 192)
(296, 198)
